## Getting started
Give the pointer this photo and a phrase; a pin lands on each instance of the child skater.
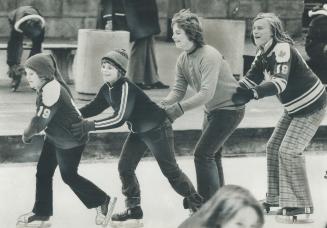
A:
(55, 113)
(304, 99)
(231, 206)
(149, 128)
(203, 68)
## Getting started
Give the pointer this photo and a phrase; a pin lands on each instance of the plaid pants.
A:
(287, 179)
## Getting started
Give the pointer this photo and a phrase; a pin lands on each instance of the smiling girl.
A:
(205, 70)
(279, 69)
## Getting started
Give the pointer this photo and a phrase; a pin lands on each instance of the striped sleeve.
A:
(255, 75)
(119, 117)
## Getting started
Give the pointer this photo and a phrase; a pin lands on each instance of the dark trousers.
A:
(142, 67)
(218, 126)
(68, 161)
(161, 143)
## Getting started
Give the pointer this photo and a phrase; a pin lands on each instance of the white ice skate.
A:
(267, 207)
(295, 215)
(104, 212)
(32, 220)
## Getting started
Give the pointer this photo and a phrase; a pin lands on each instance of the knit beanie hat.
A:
(118, 58)
(43, 65)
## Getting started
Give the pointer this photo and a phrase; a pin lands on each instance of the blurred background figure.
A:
(141, 19)
(316, 42)
(173, 7)
(231, 206)
(24, 21)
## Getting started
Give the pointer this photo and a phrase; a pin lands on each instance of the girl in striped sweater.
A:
(279, 69)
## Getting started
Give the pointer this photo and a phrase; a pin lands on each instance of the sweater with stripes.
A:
(129, 103)
(280, 70)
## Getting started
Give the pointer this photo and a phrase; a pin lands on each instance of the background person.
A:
(24, 21)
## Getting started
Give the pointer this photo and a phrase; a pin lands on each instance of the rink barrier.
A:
(244, 142)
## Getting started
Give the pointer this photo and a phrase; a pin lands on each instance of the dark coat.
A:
(314, 46)
(139, 17)
(15, 42)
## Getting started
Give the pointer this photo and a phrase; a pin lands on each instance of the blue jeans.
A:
(160, 142)
(68, 161)
(218, 126)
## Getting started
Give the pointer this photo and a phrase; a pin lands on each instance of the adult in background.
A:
(24, 21)
(140, 18)
(204, 69)
(316, 42)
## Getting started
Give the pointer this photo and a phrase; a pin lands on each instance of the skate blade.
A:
(110, 211)
(295, 219)
(132, 223)
(41, 224)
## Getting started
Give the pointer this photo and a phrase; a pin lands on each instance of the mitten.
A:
(242, 95)
(174, 111)
(26, 140)
(82, 128)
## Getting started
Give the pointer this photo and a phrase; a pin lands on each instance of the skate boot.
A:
(325, 175)
(32, 220)
(15, 83)
(266, 206)
(130, 218)
(104, 211)
(193, 203)
(293, 215)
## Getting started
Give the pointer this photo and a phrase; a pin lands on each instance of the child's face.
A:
(261, 32)
(109, 72)
(33, 79)
(245, 218)
(180, 38)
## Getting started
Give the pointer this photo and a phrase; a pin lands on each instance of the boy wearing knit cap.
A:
(149, 128)
(55, 113)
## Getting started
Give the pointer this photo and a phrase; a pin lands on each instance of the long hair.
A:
(190, 23)
(223, 206)
(276, 25)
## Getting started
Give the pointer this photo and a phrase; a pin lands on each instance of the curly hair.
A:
(190, 23)
(277, 29)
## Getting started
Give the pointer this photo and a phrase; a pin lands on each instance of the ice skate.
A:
(130, 218)
(325, 175)
(267, 206)
(33, 220)
(293, 215)
(104, 211)
(15, 83)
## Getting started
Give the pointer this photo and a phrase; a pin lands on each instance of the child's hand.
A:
(174, 111)
(26, 140)
(82, 128)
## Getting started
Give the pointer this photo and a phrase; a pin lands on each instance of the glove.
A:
(174, 111)
(242, 95)
(162, 104)
(16, 72)
(82, 128)
(193, 202)
(26, 140)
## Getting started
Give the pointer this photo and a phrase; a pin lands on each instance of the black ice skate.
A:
(32, 220)
(104, 211)
(15, 83)
(294, 215)
(267, 206)
(130, 218)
